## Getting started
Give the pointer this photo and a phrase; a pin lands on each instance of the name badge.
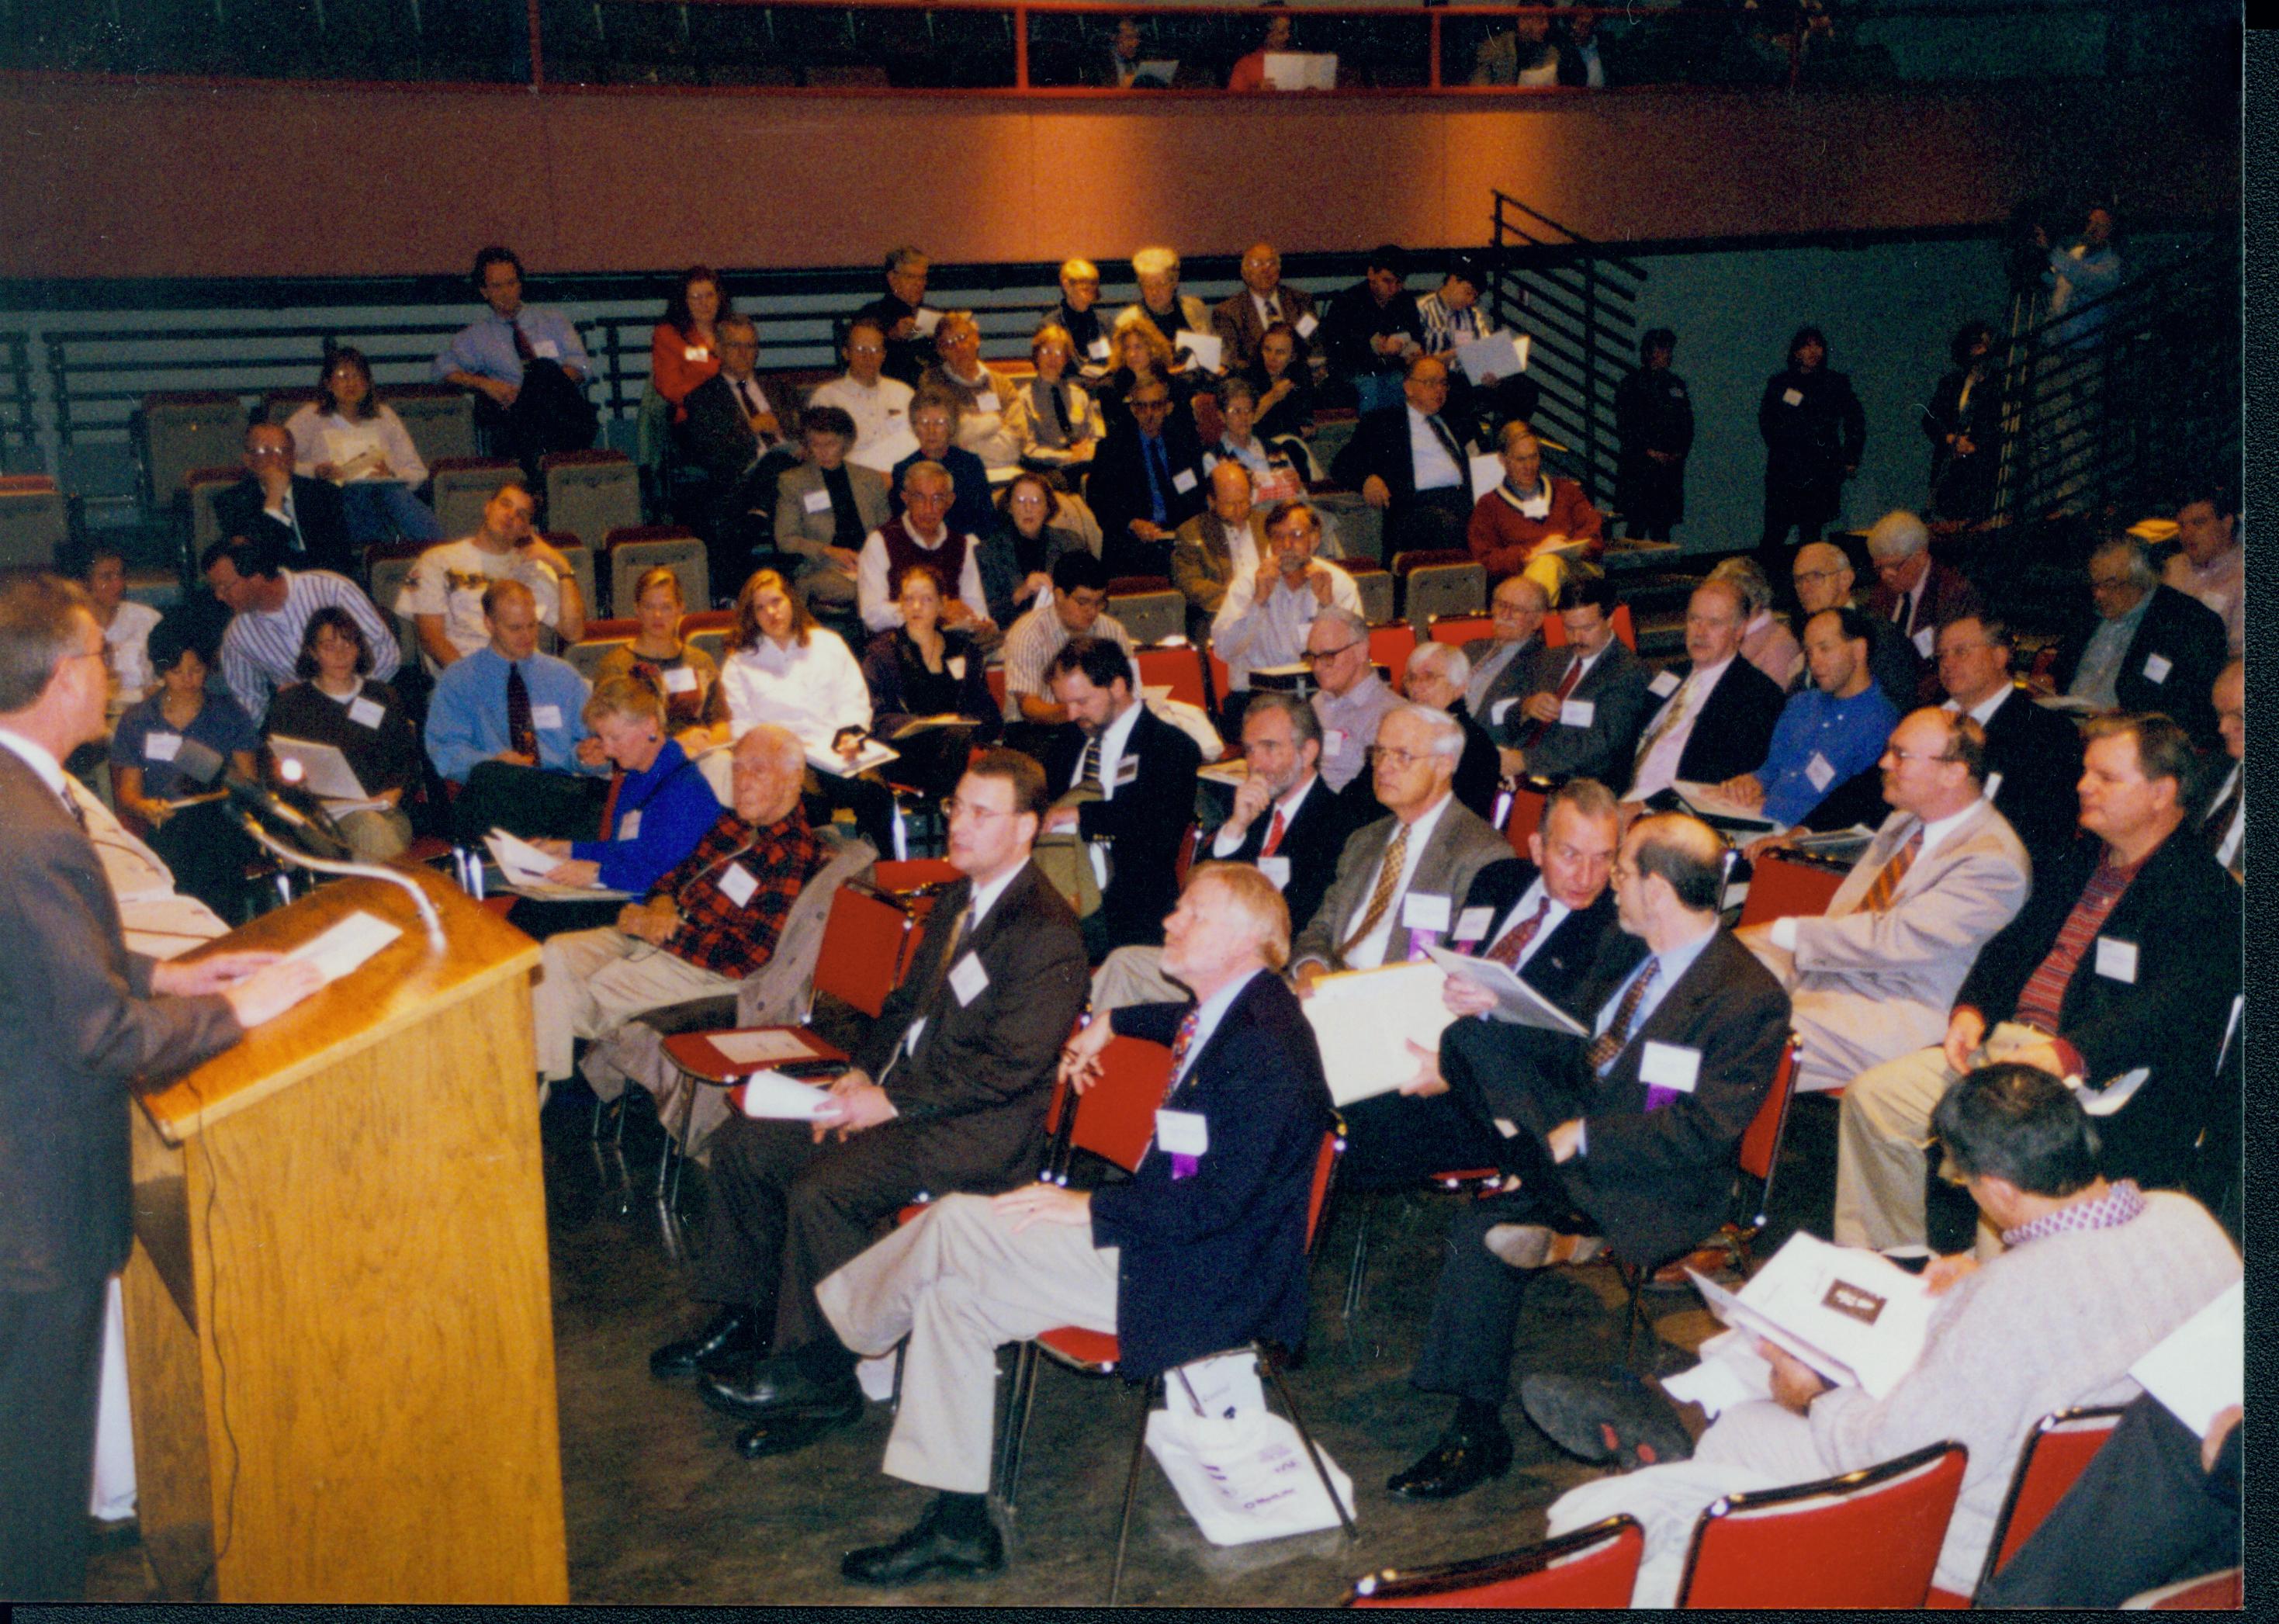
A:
(1474, 923)
(679, 679)
(1669, 1065)
(986, 401)
(1818, 773)
(694, 352)
(1333, 740)
(1127, 771)
(1306, 324)
(1792, 397)
(1210, 461)
(161, 746)
(547, 349)
(1505, 1126)
(1098, 349)
(546, 715)
(2157, 668)
(1184, 480)
(1422, 911)
(969, 980)
(1277, 869)
(817, 501)
(366, 713)
(1993, 785)
(2117, 959)
(954, 664)
(737, 884)
(1578, 712)
(1182, 1133)
(1925, 641)
(629, 825)
(1497, 712)
(1663, 686)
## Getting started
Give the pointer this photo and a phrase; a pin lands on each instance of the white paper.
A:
(1664, 685)
(737, 884)
(871, 754)
(2199, 1367)
(1182, 1133)
(517, 858)
(1731, 1372)
(1499, 710)
(969, 980)
(2157, 668)
(325, 772)
(1364, 1021)
(1487, 473)
(547, 717)
(772, 1095)
(928, 320)
(1420, 911)
(1497, 355)
(679, 679)
(954, 664)
(1792, 397)
(1301, 70)
(2117, 959)
(1578, 712)
(1788, 1303)
(1277, 869)
(1184, 480)
(347, 944)
(161, 746)
(546, 350)
(1206, 348)
(1306, 324)
(366, 713)
(1670, 1065)
(1097, 350)
(1516, 1002)
(765, 1046)
(817, 501)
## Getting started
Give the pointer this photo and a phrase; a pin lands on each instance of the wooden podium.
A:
(340, 1338)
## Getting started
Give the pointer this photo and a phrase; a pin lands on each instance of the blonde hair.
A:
(1254, 897)
(629, 696)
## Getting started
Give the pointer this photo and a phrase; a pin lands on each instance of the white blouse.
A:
(309, 432)
(813, 691)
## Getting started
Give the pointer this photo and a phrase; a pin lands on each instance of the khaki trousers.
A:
(592, 982)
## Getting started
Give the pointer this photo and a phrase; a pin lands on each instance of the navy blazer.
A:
(1146, 819)
(1117, 491)
(1207, 1262)
(2038, 754)
(2179, 630)
(1734, 729)
(1589, 949)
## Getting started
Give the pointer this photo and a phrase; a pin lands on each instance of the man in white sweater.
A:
(2094, 1275)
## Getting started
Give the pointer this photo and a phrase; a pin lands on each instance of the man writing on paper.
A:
(85, 1016)
(1202, 1250)
(947, 1094)
(1625, 1139)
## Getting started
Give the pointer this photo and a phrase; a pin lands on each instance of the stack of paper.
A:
(2199, 1368)
(1207, 347)
(526, 868)
(1365, 1019)
(1710, 802)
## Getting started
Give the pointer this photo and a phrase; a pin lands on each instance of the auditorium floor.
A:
(660, 1510)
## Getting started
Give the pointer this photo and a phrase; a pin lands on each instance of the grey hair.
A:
(1155, 261)
(1443, 659)
(1447, 734)
(1898, 534)
(1747, 576)
(1345, 619)
(786, 753)
(2141, 572)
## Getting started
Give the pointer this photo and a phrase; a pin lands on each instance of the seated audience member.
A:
(125, 624)
(923, 531)
(825, 508)
(2125, 956)
(1435, 677)
(2224, 825)
(1719, 712)
(1225, 541)
(947, 1095)
(1054, 422)
(1266, 613)
(1550, 918)
(444, 596)
(1654, 426)
(505, 723)
(1243, 320)
(525, 365)
(1829, 733)
(1162, 306)
(703, 924)
(2033, 756)
(2117, 1268)
(1766, 643)
(1075, 608)
(1914, 592)
(1520, 55)
(934, 417)
(1503, 661)
(900, 315)
(1238, 441)
(1606, 1149)
(1585, 703)
(684, 348)
(305, 517)
(151, 778)
(1350, 699)
(337, 702)
(1823, 577)
(1197, 1254)
(269, 607)
(349, 440)
(1399, 879)
(1533, 521)
(984, 397)
(1249, 73)
(1077, 314)
(1119, 770)
(919, 671)
(1141, 353)
(2211, 562)
(879, 407)
(733, 435)
(1450, 315)
(2149, 647)
(680, 671)
(1146, 481)
(1113, 61)
(156, 919)
(1874, 977)
(1035, 525)
(1286, 388)
(1407, 462)
(1372, 326)
(1580, 63)
(1286, 822)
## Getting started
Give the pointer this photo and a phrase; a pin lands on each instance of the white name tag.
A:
(817, 501)
(366, 713)
(1505, 1126)
(956, 666)
(737, 884)
(2117, 959)
(1669, 1065)
(1474, 923)
(679, 679)
(1497, 712)
(629, 825)
(969, 980)
(1098, 349)
(986, 401)
(161, 746)
(1210, 461)
(1422, 911)
(1926, 640)
(1306, 324)
(1184, 480)
(1578, 712)
(546, 715)
(1792, 397)
(547, 349)
(1276, 870)
(1182, 1133)
(2157, 668)
(1993, 785)
(1333, 741)
(695, 352)
(1818, 772)
(1663, 686)
(1127, 771)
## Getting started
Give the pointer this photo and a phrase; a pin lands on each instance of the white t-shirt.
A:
(127, 637)
(450, 578)
(882, 420)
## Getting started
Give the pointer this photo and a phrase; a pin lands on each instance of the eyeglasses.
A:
(955, 808)
(865, 349)
(1316, 656)
(1817, 575)
(1917, 756)
(1400, 761)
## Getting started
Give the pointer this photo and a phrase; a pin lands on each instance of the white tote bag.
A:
(1240, 1470)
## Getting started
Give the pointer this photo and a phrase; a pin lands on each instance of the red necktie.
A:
(1536, 729)
(1273, 834)
(1513, 942)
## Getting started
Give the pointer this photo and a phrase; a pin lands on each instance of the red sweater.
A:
(1502, 538)
(672, 371)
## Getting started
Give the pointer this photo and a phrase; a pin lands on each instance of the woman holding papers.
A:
(685, 675)
(336, 704)
(151, 753)
(347, 436)
(921, 671)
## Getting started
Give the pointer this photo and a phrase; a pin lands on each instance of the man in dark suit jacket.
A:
(1373, 326)
(84, 1017)
(2033, 753)
(2171, 660)
(1140, 776)
(1282, 741)
(1241, 320)
(1626, 1141)
(1915, 593)
(304, 516)
(948, 1092)
(1712, 736)
(1147, 480)
(1426, 499)
(735, 435)
(1202, 1251)
(1585, 703)
(1503, 662)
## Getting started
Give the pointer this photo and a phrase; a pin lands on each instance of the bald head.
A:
(1230, 490)
(1670, 878)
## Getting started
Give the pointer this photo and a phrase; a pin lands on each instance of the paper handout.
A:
(772, 1094)
(339, 951)
(1853, 1316)
(2201, 1367)
(1516, 1002)
(1365, 1019)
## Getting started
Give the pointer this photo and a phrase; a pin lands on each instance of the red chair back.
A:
(1457, 630)
(1115, 1117)
(2056, 1452)
(26, 484)
(1595, 1566)
(1325, 1170)
(996, 679)
(1555, 630)
(1219, 675)
(1389, 646)
(1782, 889)
(1760, 1145)
(1521, 817)
(1185, 860)
(1177, 666)
(1865, 1539)
(866, 946)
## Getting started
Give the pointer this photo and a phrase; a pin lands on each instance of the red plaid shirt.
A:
(717, 933)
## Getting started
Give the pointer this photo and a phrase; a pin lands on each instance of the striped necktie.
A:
(1388, 881)
(1609, 1043)
(1887, 883)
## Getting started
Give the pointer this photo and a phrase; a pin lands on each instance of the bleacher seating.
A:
(35, 520)
(463, 486)
(591, 492)
(177, 430)
(634, 550)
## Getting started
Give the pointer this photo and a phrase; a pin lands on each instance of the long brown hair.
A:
(747, 634)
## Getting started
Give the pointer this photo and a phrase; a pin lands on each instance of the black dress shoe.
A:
(927, 1548)
(777, 1386)
(783, 1431)
(1463, 1458)
(730, 1338)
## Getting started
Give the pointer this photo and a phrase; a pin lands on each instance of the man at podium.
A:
(85, 1016)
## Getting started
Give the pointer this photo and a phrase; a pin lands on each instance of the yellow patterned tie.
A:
(1388, 881)
(1879, 894)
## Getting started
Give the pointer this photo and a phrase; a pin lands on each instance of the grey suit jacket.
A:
(1509, 682)
(1870, 987)
(1615, 687)
(799, 530)
(1462, 844)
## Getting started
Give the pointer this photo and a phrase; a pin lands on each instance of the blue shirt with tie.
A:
(467, 716)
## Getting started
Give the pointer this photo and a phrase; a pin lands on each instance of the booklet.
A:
(346, 944)
(525, 868)
(1516, 1002)
(1712, 804)
(1365, 1019)
(873, 754)
(1852, 1315)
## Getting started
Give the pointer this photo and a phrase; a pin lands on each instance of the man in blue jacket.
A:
(1203, 1249)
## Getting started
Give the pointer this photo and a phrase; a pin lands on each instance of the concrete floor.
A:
(660, 1510)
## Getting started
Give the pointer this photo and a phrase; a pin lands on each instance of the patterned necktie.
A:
(1388, 881)
(1182, 1165)
(79, 813)
(1887, 883)
(1513, 942)
(1535, 728)
(1609, 1043)
(1447, 442)
(1672, 714)
(521, 733)
(522, 349)
(1087, 769)
(1274, 831)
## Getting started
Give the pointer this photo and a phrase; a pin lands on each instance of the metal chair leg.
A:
(1131, 1485)
(1354, 1274)
(1020, 1402)
(1273, 1367)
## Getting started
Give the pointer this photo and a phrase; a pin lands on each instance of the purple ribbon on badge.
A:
(1657, 1096)
(1183, 1166)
